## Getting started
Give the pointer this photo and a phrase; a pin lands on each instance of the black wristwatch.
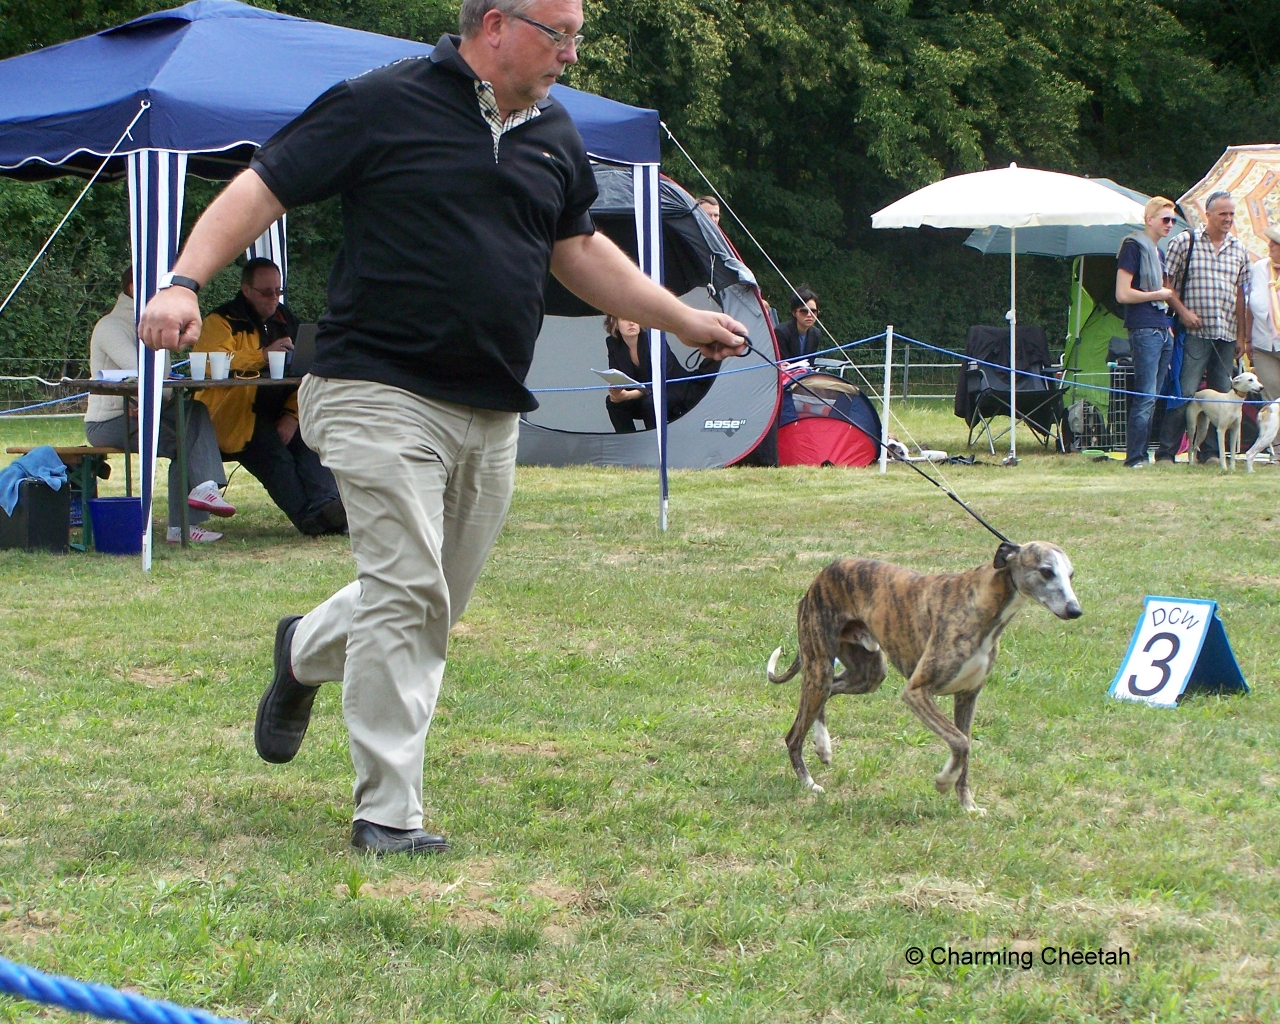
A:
(169, 280)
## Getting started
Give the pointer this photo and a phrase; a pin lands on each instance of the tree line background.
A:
(808, 116)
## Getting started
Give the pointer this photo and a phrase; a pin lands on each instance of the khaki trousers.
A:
(426, 485)
(1267, 366)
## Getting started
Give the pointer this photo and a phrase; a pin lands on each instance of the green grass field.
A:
(630, 843)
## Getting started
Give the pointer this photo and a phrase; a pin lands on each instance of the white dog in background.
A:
(1268, 426)
(1224, 411)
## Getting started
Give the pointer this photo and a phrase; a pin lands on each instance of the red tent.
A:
(815, 422)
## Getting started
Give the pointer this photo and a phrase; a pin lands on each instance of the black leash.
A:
(894, 455)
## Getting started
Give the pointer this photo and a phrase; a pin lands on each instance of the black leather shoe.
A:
(285, 709)
(380, 839)
(334, 515)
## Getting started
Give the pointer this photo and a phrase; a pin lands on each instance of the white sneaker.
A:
(207, 498)
(199, 535)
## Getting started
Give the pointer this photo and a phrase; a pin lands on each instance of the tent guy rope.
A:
(787, 281)
(945, 485)
(142, 109)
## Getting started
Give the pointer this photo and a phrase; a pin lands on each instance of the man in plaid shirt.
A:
(1211, 304)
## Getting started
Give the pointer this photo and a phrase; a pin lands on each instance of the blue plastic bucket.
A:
(117, 525)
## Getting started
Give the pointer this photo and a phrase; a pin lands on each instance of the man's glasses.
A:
(269, 293)
(1168, 220)
(560, 40)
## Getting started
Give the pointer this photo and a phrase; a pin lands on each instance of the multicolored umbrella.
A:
(1252, 175)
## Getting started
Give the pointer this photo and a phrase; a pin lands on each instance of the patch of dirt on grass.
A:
(28, 926)
(934, 891)
(154, 677)
(721, 864)
(545, 748)
(564, 898)
(470, 902)
(536, 526)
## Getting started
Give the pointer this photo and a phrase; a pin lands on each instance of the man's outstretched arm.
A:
(243, 210)
(602, 275)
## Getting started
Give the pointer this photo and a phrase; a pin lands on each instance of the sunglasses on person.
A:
(560, 40)
(1168, 220)
(268, 293)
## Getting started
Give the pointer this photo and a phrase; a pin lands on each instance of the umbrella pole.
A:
(1012, 317)
(888, 386)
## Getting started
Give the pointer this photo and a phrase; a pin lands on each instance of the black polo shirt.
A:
(438, 286)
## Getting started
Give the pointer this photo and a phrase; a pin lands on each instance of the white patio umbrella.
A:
(1011, 197)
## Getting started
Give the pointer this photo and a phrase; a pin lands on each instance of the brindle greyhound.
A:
(941, 631)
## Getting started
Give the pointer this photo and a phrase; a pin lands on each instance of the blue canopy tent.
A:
(197, 89)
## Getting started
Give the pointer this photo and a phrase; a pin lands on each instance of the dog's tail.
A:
(773, 667)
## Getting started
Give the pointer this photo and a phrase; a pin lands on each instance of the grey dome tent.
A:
(714, 422)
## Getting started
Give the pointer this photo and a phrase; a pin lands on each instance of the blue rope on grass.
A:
(99, 1000)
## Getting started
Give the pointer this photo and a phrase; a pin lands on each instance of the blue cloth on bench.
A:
(40, 464)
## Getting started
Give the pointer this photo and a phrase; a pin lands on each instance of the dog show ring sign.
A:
(1179, 647)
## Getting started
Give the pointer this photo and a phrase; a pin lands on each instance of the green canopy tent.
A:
(1091, 324)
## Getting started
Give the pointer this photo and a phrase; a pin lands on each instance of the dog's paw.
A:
(822, 742)
(967, 804)
(946, 779)
(815, 789)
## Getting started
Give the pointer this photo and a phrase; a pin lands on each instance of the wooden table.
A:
(181, 387)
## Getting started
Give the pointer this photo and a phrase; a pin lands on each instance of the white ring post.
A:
(1013, 347)
(884, 414)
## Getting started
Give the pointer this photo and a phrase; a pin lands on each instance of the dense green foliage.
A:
(808, 115)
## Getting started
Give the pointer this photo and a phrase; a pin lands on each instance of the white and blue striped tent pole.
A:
(649, 252)
(157, 179)
(274, 245)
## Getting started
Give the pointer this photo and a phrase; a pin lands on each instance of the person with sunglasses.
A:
(800, 336)
(1141, 287)
(464, 184)
(1210, 271)
(258, 427)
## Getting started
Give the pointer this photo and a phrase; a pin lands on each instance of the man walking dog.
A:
(463, 183)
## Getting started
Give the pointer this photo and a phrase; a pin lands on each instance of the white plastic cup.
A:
(219, 365)
(276, 362)
(199, 360)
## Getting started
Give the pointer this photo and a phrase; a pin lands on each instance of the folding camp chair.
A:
(983, 393)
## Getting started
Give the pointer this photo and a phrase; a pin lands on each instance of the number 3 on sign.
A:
(1162, 664)
(1169, 653)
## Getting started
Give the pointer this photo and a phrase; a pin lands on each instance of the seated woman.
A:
(630, 354)
(114, 346)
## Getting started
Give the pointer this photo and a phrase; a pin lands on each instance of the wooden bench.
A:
(83, 463)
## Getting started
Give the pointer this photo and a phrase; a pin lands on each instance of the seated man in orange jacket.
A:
(259, 427)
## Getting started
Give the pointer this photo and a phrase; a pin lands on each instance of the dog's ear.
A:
(1005, 552)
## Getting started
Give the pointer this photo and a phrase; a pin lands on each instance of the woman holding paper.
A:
(626, 405)
(629, 353)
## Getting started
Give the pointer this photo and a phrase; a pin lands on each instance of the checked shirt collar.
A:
(493, 116)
